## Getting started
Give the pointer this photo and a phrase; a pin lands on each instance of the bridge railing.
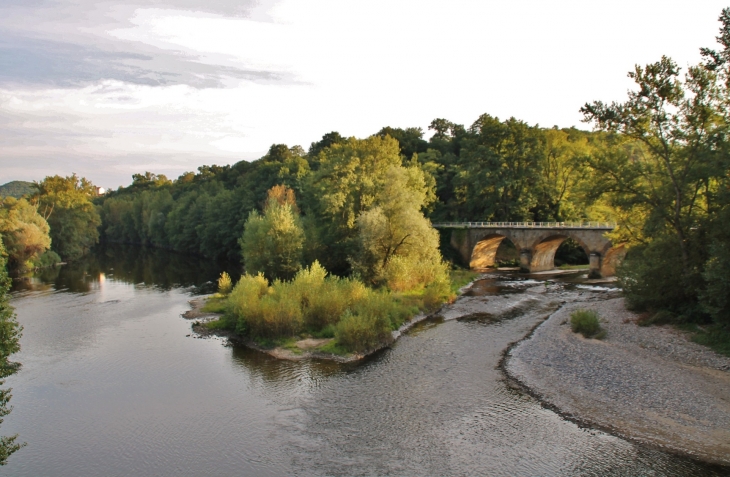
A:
(537, 225)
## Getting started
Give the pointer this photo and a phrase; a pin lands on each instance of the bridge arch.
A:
(543, 252)
(537, 242)
(484, 253)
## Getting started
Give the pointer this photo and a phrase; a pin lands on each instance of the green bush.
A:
(652, 279)
(358, 333)
(586, 323)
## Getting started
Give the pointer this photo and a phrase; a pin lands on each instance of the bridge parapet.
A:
(527, 225)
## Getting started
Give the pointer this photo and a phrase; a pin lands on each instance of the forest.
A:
(351, 217)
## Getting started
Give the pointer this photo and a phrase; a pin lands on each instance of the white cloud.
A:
(353, 67)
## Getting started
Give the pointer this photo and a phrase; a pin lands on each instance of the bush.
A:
(362, 332)
(49, 258)
(225, 285)
(586, 323)
(652, 279)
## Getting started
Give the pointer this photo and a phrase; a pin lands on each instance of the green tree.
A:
(65, 203)
(398, 246)
(10, 332)
(353, 178)
(24, 232)
(666, 169)
(273, 243)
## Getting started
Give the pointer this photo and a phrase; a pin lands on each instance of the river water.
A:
(113, 383)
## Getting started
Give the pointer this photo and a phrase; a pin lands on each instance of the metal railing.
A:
(531, 225)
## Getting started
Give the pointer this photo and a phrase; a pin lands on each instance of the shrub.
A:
(245, 298)
(225, 285)
(652, 279)
(586, 323)
(361, 332)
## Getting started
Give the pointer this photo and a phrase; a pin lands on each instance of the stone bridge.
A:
(537, 242)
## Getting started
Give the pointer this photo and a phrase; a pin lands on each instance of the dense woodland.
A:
(361, 208)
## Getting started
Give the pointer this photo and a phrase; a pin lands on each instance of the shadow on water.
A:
(140, 266)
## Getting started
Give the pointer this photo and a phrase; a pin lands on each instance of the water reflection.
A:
(158, 268)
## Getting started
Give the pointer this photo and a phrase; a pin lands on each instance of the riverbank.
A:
(649, 384)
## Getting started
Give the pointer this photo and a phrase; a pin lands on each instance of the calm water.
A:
(113, 384)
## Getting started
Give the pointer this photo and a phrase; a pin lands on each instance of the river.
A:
(114, 384)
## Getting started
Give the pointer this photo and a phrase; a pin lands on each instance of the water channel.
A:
(114, 384)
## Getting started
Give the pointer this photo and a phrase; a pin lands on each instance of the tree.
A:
(353, 178)
(24, 232)
(398, 246)
(674, 122)
(10, 332)
(499, 169)
(666, 168)
(272, 243)
(65, 203)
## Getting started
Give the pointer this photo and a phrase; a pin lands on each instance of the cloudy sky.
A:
(109, 88)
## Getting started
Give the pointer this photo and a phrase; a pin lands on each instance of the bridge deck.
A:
(526, 225)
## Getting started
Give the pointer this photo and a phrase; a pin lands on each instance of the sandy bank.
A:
(650, 384)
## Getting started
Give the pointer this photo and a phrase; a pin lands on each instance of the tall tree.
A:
(675, 123)
(10, 332)
(25, 234)
(273, 243)
(65, 203)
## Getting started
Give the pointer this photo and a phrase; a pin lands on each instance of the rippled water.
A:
(113, 384)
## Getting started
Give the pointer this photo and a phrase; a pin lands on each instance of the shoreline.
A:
(650, 385)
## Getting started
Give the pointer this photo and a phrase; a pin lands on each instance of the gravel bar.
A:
(650, 384)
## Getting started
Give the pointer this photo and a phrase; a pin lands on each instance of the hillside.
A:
(16, 189)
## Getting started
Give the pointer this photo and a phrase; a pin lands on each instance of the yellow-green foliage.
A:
(361, 318)
(404, 273)
(225, 285)
(362, 332)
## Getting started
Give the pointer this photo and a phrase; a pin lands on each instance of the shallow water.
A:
(114, 384)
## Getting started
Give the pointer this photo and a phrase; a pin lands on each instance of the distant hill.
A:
(17, 189)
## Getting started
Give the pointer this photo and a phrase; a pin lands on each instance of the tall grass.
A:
(586, 323)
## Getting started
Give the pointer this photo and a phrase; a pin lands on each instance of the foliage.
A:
(716, 337)
(225, 285)
(17, 189)
(398, 246)
(586, 323)
(65, 203)
(25, 234)
(361, 332)
(358, 317)
(10, 332)
(273, 243)
(664, 170)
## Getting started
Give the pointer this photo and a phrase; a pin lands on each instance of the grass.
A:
(715, 337)
(586, 323)
(573, 267)
(461, 278)
(216, 325)
(215, 304)
(333, 347)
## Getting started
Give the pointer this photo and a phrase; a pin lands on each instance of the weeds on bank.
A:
(586, 323)
(461, 278)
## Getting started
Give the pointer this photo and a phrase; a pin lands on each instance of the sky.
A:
(106, 89)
